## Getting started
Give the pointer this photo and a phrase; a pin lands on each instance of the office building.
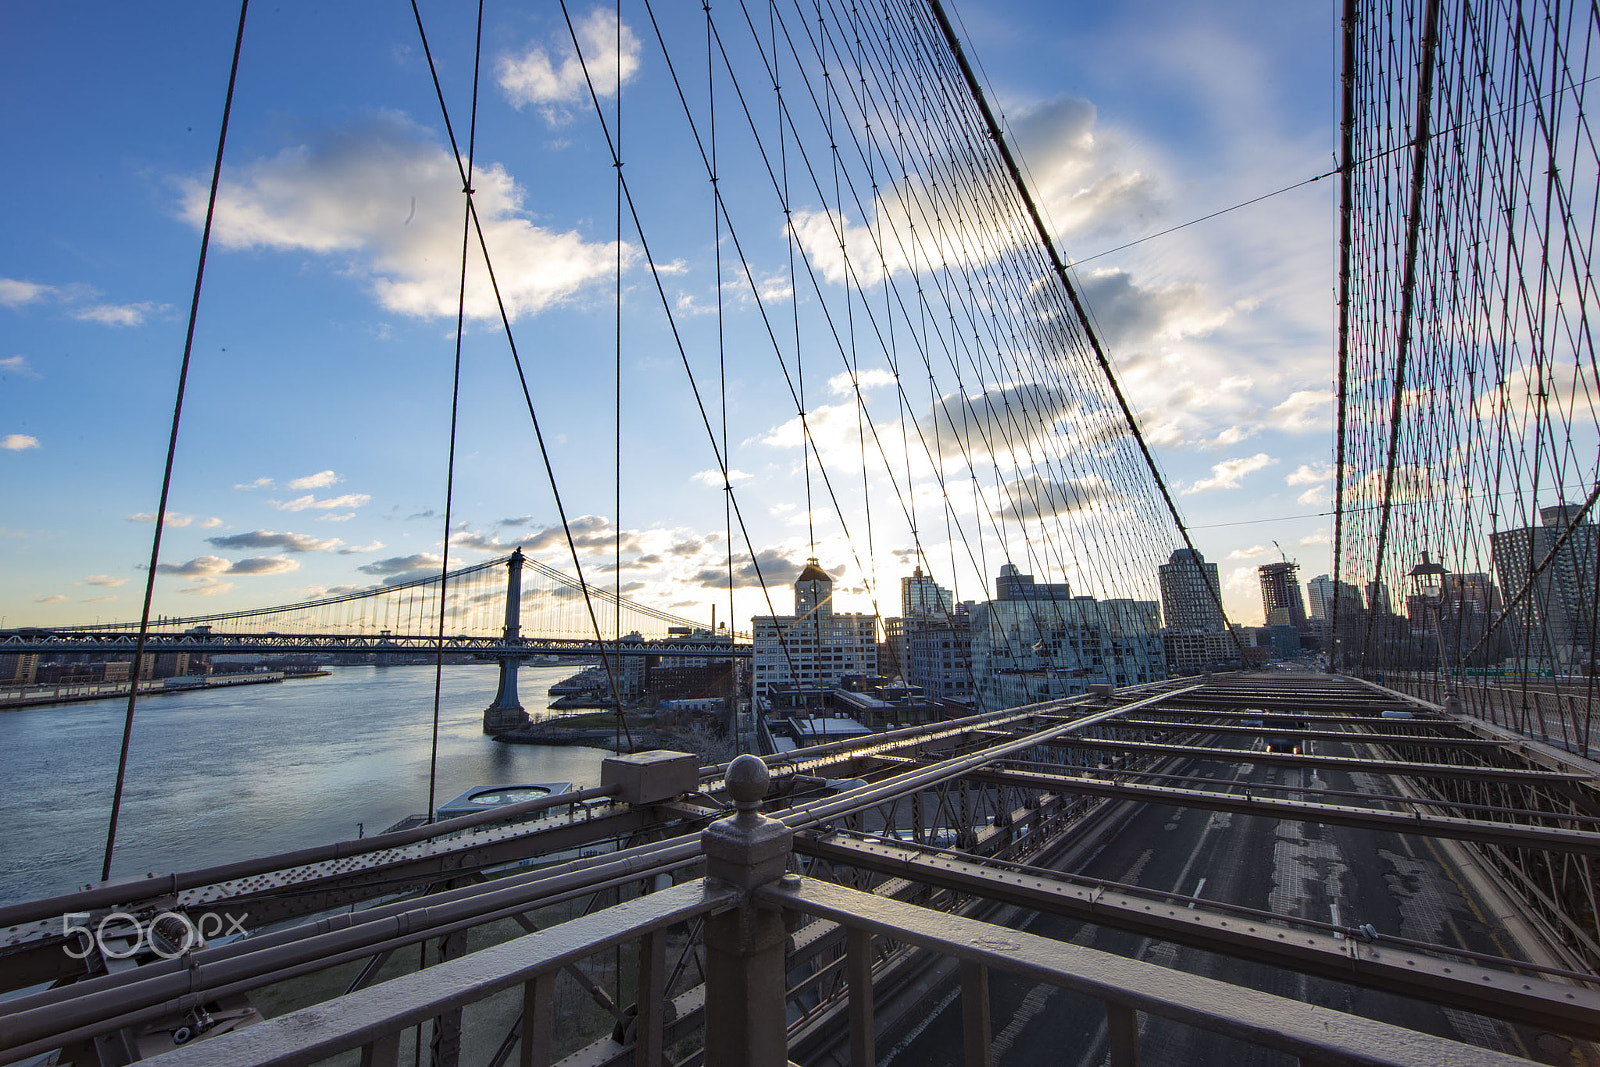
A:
(1552, 623)
(816, 647)
(1191, 593)
(1037, 642)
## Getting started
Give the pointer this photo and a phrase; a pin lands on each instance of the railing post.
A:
(1122, 1035)
(746, 1017)
(652, 994)
(858, 969)
(538, 998)
(976, 1037)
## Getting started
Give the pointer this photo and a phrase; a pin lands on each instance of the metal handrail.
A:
(1125, 986)
(372, 1019)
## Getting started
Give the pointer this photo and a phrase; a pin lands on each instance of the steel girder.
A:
(1562, 1007)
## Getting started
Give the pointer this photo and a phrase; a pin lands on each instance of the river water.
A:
(225, 774)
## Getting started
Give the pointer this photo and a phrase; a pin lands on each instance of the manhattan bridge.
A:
(1403, 873)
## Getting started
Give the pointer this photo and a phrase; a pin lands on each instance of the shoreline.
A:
(82, 692)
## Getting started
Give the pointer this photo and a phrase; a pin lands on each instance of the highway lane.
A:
(1400, 885)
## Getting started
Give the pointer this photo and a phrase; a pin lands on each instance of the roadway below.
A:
(1400, 884)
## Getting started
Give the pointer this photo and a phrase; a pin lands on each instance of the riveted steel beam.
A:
(1506, 834)
(1497, 992)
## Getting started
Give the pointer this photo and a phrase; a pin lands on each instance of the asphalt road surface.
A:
(1400, 884)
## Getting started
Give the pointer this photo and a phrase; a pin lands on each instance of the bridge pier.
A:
(506, 712)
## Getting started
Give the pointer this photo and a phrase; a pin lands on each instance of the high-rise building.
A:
(1012, 584)
(1378, 599)
(1281, 601)
(1553, 622)
(1036, 642)
(1191, 593)
(921, 596)
(938, 655)
(1322, 591)
(816, 646)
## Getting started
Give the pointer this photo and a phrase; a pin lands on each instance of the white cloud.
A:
(17, 442)
(53, 598)
(288, 542)
(1306, 474)
(713, 478)
(1084, 184)
(1032, 497)
(385, 199)
(1316, 497)
(174, 518)
(1130, 314)
(205, 566)
(259, 483)
(301, 503)
(14, 292)
(17, 365)
(320, 480)
(1303, 411)
(1083, 175)
(871, 378)
(1230, 472)
(1243, 580)
(1411, 484)
(1319, 538)
(207, 587)
(118, 314)
(1566, 385)
(211, 524)
(349, 550)
(1253, 552)
(105, 580)
(553, 81)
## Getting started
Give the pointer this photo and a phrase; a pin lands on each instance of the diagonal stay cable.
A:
(455, 410)
(172, 447)
(527, 395)
(1071, 290)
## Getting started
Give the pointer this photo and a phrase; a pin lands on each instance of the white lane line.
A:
(1334, 907)
(916, 1031)
(1201, 886)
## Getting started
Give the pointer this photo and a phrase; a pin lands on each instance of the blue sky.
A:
(312, 453)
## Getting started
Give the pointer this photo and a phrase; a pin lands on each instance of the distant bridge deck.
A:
(22, 642)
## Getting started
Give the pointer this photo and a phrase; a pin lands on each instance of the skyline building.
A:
(816, 647)
(1281, 602)
(1191, 593)
(938, 655)
(922, 597)
(1036, 642)
(1553, 623)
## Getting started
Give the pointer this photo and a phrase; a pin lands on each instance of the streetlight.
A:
(1427, 583)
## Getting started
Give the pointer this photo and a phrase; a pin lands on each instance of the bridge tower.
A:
(506, 712)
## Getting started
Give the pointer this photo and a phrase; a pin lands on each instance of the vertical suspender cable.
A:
(172, 447)
(1408, 284)
(1347, 110)
(455, 401)
(617, 556)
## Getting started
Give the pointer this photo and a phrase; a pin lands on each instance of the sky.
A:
(311, 457)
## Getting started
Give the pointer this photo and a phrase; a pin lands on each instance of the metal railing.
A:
(748, 902)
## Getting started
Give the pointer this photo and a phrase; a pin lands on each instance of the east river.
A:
(225, 774)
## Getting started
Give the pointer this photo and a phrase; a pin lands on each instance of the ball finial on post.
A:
(747, 780)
